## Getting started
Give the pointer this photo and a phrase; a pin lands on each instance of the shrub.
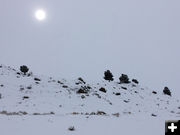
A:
(124, 79)
(80, 79)
(83, 90)
(24, 69)
(108, 76)
(166, 91)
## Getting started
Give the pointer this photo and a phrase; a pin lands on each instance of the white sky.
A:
(86, 37)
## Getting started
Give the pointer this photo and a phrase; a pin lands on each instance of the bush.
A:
(24, 69)
(80, 79)
(108, 76)
(166, 91)
(124, 79)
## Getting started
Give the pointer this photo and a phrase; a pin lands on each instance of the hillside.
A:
(40, 95)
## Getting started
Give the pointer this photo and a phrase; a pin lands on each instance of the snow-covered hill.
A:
(40, 95)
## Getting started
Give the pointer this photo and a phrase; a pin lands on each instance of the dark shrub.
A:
(65, 86)
(80, 79)
(135, 81)
(124, 79)
(101, 113)
(24, 69)
(102, 89)
(83, 90)
(108, 76)
(166, 91)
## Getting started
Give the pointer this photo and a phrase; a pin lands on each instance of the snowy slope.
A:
(41, 105)
(23, 94)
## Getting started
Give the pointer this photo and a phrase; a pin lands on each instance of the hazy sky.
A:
(85, 37)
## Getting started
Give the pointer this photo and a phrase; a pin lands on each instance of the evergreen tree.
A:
(108, 76)
(24, 69)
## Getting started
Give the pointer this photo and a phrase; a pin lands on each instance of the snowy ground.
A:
(40, 105)
(95, 125)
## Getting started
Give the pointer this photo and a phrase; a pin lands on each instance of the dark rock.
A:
(154, 92)
(135, 81)
(82, 91)
(88, 87)
(82, 96)
(92, 113)
(97, 95)
(18, 73)
(124, 88)
(36, 114)
(116, 114)
(59, 82)
(117, 94)
(101, 113)
(29, 87)
(2, 85)
(21, 89)
(153, 115)
(102, 89)
(30, 74)
(71, 128)
(25, 97)
(37, 79)
(126, 101)
(52, 113)
(77, 83)
(135, 92)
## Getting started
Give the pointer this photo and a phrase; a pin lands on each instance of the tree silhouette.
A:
(108, 76)
(166, 91)
(124, 79)
(24, 69)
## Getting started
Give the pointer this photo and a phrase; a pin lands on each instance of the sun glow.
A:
(40, 15)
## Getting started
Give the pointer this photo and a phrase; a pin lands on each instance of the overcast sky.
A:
(85, 37)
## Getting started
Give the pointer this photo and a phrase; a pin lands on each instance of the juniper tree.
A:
(24, 69)
(108, 76)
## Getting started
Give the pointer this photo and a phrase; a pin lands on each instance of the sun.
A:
(40, 15)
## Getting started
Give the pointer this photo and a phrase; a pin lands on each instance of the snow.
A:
(52, 105)
(97, 125)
